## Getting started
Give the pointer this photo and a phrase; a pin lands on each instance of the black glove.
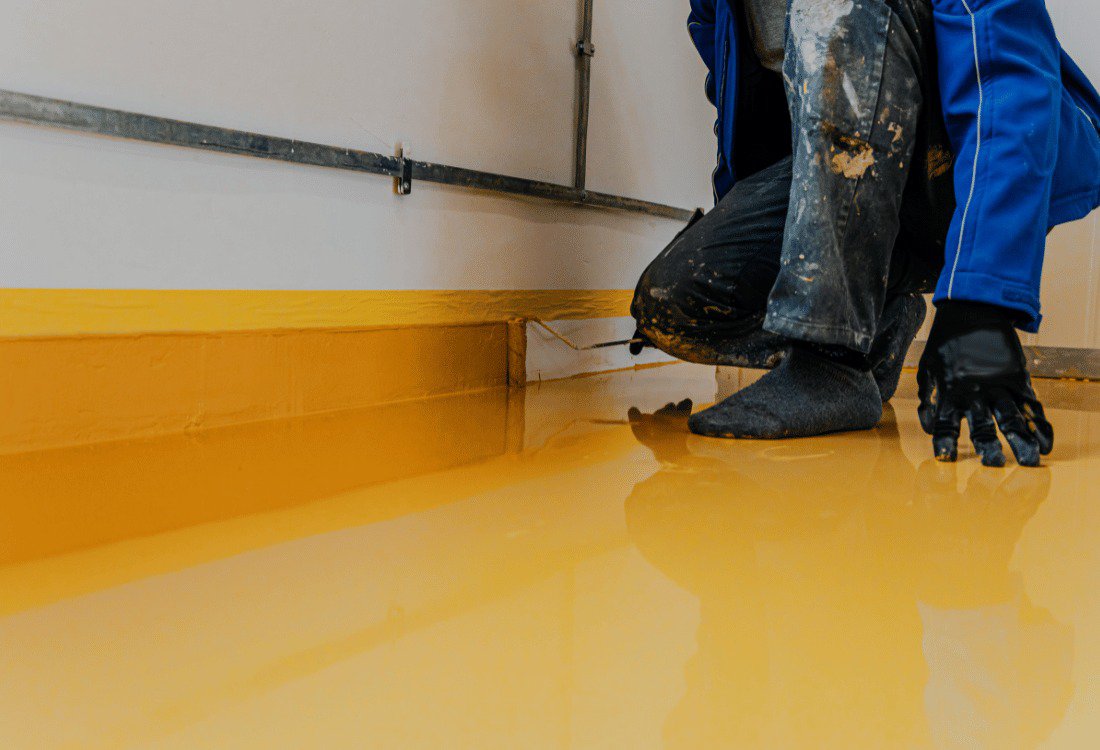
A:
(974, 367)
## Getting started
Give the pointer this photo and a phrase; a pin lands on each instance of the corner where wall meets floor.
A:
(89, 366)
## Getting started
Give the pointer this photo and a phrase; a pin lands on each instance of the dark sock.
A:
(901, 320)
(806, 395)
(841, 355)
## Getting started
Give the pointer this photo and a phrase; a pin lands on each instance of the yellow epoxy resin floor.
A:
(529, 570)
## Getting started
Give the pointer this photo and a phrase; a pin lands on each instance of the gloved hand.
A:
(974, 367)
(638, 342)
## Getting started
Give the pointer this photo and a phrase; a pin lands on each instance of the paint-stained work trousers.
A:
(811, 248)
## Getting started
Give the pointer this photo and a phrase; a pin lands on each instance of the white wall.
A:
(474, 83)
(1071, 276)
(91, 213)
(1076, 22)
(652, 126)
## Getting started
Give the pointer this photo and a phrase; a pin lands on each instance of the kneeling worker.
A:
(871, 151)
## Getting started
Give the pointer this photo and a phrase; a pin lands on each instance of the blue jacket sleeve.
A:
(701, 28)
(1000, 77)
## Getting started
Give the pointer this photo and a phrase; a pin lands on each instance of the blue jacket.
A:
(1023, 120)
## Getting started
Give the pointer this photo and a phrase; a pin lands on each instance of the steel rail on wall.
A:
(86, 118)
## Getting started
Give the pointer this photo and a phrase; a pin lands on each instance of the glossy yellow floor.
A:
(534, 571)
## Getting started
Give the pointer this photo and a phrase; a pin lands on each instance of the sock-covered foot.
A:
(806, 395)
(901, 320)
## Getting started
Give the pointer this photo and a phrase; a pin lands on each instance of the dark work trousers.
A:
(812, 247)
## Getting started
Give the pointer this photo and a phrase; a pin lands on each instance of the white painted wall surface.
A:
(652, 127)
(475, 83)
(82, 212)
(1071, 275)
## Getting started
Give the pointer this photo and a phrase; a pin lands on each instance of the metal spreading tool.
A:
(579, 348)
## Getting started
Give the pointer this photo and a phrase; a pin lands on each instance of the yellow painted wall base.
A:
(69, 391)
(69, 312)
(81, 366)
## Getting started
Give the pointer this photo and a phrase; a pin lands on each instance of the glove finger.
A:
(945, 432)
(1037, 421)
(1024, 444)
(983, 433)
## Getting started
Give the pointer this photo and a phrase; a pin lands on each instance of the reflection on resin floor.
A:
(551, 570)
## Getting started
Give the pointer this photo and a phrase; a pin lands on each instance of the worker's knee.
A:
(689, 295)
(660, 296)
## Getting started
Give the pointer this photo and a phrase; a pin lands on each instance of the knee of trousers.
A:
(659, 301)
(688, 307)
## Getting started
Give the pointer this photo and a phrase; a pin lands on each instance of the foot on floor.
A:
(901, 320)
(806, 395)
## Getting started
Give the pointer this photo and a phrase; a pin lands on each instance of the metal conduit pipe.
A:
(585, 52)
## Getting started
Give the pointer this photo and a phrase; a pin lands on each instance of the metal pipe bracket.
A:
(403, 181)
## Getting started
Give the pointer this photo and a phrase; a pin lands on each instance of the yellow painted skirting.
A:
(82, 366)
(75, 390)
(77, 312)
